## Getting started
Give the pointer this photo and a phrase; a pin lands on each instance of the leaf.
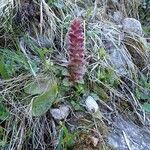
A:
(142, 94)
(40, 104)
(2, 143)
(97, 115)
(15, 61)
(3, 113)
(37, 87)
(76, 106)
(146, 107)
(66, 82)
(42, 52)
(67, 139)
(95, 96)
(100, 91)
(102, 53)
(3, 70)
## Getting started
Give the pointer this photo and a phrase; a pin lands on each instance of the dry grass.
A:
(22, 131)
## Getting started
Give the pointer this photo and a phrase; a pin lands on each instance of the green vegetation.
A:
(34, 74)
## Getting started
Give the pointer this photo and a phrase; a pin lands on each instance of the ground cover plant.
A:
(74, 74)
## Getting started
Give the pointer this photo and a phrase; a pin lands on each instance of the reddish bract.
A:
(76, 51)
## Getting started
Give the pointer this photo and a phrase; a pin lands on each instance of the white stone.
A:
(132, 25)
(91, 104)
(60, 113)
(94, 141)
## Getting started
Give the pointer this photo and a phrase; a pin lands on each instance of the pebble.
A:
(60, 113)
(132, 25)
(91, 104)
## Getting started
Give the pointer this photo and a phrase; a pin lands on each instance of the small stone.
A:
(91, 104)
(60, 113)
(132, 25)
(94, 141)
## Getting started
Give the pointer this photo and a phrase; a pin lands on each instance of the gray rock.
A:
(60, 113)
(126, 131)
(91, 104)
(131, 25)
(118, 56)
(119, 59)
(118, 16)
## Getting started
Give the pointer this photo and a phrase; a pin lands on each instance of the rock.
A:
(118, 57)
(118, 16)
(125, 131)
(132, 25)
(60, 113)
(91, 104)
(94, 141)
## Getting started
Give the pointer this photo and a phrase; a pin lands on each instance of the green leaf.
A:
(37, 87)
(95, 96)
(67, 139)
(76, 105)
(97, 115)
(40, 104)
(100, 91)
(142, 95)
(66, 82)
(3, 112)
(3, 70)
(102, 53)
(42, 52)
(146, 107)
(2, 143)
(14, 62)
